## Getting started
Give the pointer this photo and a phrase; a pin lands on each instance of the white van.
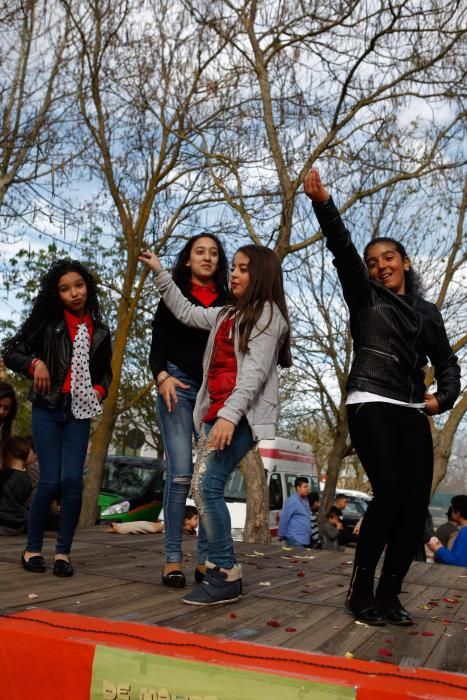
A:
(283, 461)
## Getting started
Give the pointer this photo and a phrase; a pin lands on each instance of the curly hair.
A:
(7, 392)
(182, 274)
(413, 282)
(47, 306)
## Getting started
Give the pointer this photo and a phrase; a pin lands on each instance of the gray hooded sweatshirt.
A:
(255, 395)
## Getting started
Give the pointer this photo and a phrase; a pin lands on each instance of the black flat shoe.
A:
(174, 579)
(63, 568)
(36, 564)
(370, 616)
(398, 616)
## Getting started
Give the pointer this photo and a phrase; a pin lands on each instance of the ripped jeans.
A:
(177, 435)
(212, 470)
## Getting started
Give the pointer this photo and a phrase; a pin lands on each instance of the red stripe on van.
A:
(274, 453)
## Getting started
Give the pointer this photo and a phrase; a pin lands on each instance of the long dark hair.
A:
(7, 392)
(413, 282)
(47, 306)
(181, 273)
(266, 287)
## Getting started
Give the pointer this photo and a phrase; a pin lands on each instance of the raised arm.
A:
(186, 312)
(350, 267)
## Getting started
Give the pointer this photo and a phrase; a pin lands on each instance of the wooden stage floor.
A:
(300, 592)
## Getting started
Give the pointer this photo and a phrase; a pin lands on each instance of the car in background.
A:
(352, 514)
(132, 489)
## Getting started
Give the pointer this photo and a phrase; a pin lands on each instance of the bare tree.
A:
(34, 105)
(140, 92)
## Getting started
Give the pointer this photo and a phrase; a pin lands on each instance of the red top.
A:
(72, 323)
(206, 294)
(222, 375)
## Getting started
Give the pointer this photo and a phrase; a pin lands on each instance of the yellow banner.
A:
(128, 675)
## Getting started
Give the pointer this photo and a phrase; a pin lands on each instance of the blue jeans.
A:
(177, 432)
(61, 442)
(212, 470)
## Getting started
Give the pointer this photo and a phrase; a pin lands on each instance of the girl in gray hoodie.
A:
(237, 403)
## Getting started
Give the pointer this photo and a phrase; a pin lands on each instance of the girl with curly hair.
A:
(65, 348)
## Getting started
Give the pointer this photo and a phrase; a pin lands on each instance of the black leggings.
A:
(395, 447)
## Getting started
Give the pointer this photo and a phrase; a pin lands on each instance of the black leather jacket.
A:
(55, 348)
(393, 335)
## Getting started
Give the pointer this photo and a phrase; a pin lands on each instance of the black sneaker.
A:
(214, 590)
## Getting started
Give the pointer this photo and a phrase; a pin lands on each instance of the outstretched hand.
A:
(314, 188)
(151, 260)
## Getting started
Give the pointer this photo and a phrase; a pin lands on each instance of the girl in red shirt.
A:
(65, 348)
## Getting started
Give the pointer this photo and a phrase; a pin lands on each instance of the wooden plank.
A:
(119, 577)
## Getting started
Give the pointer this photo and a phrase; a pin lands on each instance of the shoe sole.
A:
(214, 602)
(400, 624)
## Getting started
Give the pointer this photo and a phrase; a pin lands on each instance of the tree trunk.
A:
(443, 439)
(103, 433)
(338, 452)
(257, 499)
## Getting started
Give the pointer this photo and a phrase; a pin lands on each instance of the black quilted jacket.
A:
(53, 345)
(393, 335)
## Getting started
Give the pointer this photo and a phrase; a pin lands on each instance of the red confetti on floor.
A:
(385, 652)
(233, 616)
(290, 629)
(427, 634)
(273, 623)
(300, 573)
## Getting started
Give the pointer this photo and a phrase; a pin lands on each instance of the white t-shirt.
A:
(356, 396)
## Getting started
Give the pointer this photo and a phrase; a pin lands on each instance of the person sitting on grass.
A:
(141, 527)
(458, 554)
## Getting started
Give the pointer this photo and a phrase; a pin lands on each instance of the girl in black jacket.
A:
(65, 348)
(394, 331)
(175, 359)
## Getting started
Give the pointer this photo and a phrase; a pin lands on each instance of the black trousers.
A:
(395, 447)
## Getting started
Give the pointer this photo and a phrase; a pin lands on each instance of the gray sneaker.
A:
(214, 590)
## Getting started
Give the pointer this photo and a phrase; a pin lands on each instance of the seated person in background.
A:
(331, 529)
(315, 537)
(446, 531)
(15, 486)
(141, 527)
(294, 525)
(458, 554)
(341, 502)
